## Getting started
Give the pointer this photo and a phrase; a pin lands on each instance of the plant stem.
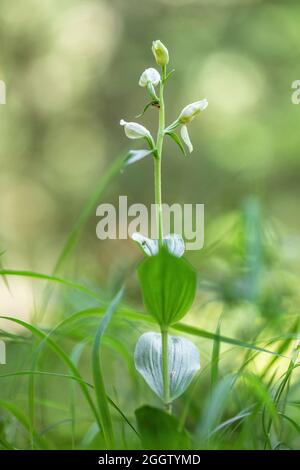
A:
(158, 200)
(165, 371)
(159, 222)
(158, 158)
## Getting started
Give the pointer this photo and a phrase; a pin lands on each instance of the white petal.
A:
(183, 363)
(133, 130)
(203, 104)
(174, 244)
(149, 75)
(136, 155)
(150, 247)
(191, 110)
(186, 138)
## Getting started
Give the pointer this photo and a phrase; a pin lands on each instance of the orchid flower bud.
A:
(133, 130)
(160, 53)
(149, 76)
(191, 110)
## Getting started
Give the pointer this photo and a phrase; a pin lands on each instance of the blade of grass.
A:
(48, 277)
(214, 407)
(54, 425)
(134, 316)
(62, 355)
(75, 358)
(6, 445)
(89, 436)
(70, 377)
(262, 393)
(81, 221)
(215, 358)
(191, 330)
(45, 373)
(291, 421)
(21, 418)
(16, 412)
(284, 384)
(103, 407)
(88, 209)
(46, 337)
(238, 417)
(282, 348)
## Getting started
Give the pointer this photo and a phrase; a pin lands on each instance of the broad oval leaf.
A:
(183, 363)
(168, 286)
(160, 430)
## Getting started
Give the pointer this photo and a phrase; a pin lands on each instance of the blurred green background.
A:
(71, 70)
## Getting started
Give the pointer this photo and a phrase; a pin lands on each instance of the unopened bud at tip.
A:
(160, 53)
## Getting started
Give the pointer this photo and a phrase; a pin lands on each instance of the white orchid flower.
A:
(151, 76)
(149, 246)
(185, 117)
(191, 110)
(173, 242)
(133, 130)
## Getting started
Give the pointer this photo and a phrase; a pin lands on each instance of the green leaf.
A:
(151, 103)
(81, 221)
(63, 356)
(215, 358)
(48, 277)
(20, 417)
(261, 392)
(102, 399)
(160, 430)
(283, 347)
(214, 407)
(192, 330)
(16, 412)
(134, 316)
(45, 373)
(168, 287)
(177, 140)
(168, 75)
(292, 422)
(88, 209)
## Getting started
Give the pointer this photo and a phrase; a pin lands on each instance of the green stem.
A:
(158, 199)
(158, 157)
(165, 371)
(159, 222)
